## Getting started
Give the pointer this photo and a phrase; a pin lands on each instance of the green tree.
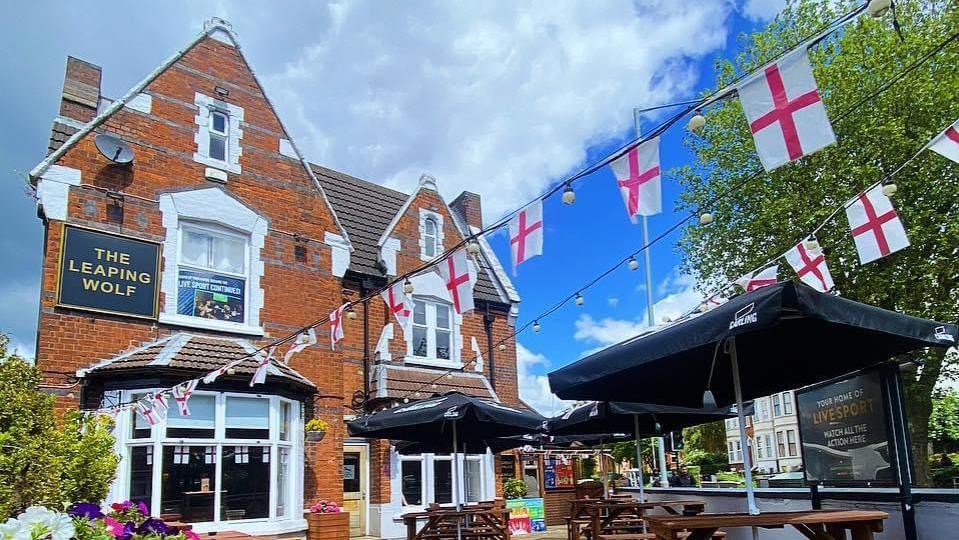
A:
(42, 461)
(771, 212)
(944, 421)
(708, 438)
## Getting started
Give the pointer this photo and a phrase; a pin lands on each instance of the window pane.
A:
(229, 254)
(196, 248)
(443, 344)
(200, 422)
(419, 313)
(442, 316)
(283, 483)
(141, 474)
(474, 480)
(284, 421)
(412, 474)
(247, 418)
(218, 122)
(246, 482)
(420, 347)
(189, 484)
(351, 472)
(217, 147)
(141, 428)
(442, 481)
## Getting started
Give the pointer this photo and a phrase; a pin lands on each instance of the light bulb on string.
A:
(811, 244)
(449, 376)
(473, 247)
(633, 264)
(878, 8)
(580, 300)
(705, 218)
(889, 189)
(502, 346)
(406, 400)
(407, 287)
(416, 394)
(536, 326)
(569, 196)
(351, 314)
(696, 123)
(433, 386)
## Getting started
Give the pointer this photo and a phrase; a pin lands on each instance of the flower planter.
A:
(327, 526)
(315, 436)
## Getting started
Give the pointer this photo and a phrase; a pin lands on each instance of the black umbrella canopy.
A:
(654, 420)
(786, 336)
(501, 444)
(429, 422)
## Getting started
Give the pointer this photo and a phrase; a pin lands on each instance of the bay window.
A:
(231, 459)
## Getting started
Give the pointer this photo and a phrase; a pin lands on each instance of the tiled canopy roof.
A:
(201, 354)
(397, 382)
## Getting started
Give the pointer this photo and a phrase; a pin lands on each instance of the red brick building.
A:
(183, 229)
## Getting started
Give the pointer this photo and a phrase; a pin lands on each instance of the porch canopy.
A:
(786, 336)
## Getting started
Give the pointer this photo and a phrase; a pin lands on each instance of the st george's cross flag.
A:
(147, 412)
(638, 178)
(302, 341)
(810, 266)
(336, 325)
(876, 228)
(715, 301)
(786, 115)
(526, 233)
(182, 393)
(946, 143)
(262, 366)
(398, 303)
(768, 276)
(215, 374)
(457, 276)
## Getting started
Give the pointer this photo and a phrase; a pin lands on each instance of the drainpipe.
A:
(365, 287)
(488, 325)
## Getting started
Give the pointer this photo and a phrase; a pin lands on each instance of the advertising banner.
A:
(108, 273)
(843, 430)
(211, 296)
(526, 515)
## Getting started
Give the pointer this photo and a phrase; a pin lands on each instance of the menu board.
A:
(558, 473)
(843, 430)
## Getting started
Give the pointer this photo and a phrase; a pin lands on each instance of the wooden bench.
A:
(813, 524)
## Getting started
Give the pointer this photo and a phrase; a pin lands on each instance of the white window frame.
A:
(781, 447)
(427, 478)
(215, 230)
(759, 448)
(730, 452)
(224, 134)
(428, 215)
(792, 444)
(430, 287)
(291, 521)
(739, 450)
(787, 403)
(212, 207)
(430, 306)
(207, 105)
(777, 406)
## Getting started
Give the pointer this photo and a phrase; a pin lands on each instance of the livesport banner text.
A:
(211, 296)
(109, 273)
(843, 430)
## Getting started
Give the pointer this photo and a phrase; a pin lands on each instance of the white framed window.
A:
(787, 402)
(218, 133)
(769, 445)
(432, 329)
(214, 467)
(429, 237)
(739, 451)
(781, 443)
(777, 405)
(730, 452)
(212, 273)
(425, 479)
(759, 448)
(791, 442)
(431, 234)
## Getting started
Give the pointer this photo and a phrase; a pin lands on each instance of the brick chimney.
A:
(81, 90)
(467, 205)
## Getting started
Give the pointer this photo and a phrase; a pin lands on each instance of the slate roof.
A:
(202, 354)
(366, 209)
(397, 382)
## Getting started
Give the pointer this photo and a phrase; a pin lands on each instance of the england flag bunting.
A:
(876, 228)
(182, 393)
(215, 374)
(715, 301)
(810, 266)
(398, 303)
(638, 178)
(302, 341)
(763, 278)
(786, 115)
(946, 143)
(262, 366)
(147, 413)
(160, 404)
(336, 325)
(458, 276)
(526, 233)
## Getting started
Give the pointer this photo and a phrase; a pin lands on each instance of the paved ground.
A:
(556, 532)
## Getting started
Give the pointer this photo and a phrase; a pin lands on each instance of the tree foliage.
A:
(43, 461)
(773, 211)
(944, 421)
(707, 438)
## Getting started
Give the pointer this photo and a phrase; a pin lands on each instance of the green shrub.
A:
(514, 488)
(41, 462)
(708, 462)
(943, 477)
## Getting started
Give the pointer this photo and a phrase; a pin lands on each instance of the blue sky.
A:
(500, 98)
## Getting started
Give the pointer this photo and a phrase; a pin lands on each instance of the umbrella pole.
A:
(639, 463)
(455, 483)
(747, 459)
(602, 467)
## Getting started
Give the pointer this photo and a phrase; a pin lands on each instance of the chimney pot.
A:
(468, 206)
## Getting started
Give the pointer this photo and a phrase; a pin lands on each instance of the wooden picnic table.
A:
(813, 524)
(622, 519)
(482, 522)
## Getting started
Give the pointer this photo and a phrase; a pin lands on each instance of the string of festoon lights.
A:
(695, 125)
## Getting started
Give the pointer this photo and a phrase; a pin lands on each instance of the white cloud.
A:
(762, 10)
(612, 301)
(496, 97)
(534, 389)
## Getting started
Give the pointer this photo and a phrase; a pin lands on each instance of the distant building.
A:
(773, 435)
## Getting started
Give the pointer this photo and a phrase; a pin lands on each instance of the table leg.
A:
(410, 529)
(702, 534)
(836, 532)
(861, 531)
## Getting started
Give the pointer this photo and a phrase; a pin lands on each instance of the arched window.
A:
(429, 237)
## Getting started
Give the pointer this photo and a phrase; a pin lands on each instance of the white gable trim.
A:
(211, 205)
(206, 104)
(339, 253)
(53, 190)
(388, 255)
(382, 351)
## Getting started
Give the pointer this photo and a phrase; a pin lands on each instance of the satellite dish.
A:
(114, 149)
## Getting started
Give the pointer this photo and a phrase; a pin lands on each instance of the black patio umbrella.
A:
(502, 444)
(448, 421)
(777, 338)
(636, 418)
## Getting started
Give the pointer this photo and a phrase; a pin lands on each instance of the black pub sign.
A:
(108, 273)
